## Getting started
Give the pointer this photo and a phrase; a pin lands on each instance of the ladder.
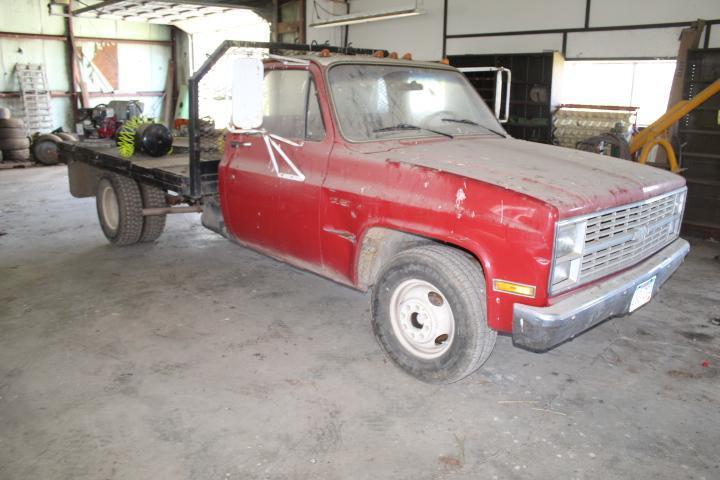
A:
(35, 97)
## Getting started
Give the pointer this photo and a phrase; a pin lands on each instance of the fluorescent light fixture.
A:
(365, 17)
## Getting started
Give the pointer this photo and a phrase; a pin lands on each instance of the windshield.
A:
(377, 102)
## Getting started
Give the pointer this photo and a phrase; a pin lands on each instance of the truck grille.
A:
(622, 237)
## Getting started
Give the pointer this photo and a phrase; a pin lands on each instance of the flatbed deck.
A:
(170, 172)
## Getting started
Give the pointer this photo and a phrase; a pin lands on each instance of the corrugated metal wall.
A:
(423, 35)
(141, 67)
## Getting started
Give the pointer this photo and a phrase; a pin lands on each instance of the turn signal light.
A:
(514, 288)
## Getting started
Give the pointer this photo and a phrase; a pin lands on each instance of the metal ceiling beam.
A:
(63, 38)
(263, 8)
(199, 3)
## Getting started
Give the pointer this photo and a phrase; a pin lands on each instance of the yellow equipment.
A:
(657, 132)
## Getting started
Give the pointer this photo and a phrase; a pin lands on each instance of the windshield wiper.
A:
(470, 122)
(407, 126)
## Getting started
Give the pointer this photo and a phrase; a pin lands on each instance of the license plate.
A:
(642, 295)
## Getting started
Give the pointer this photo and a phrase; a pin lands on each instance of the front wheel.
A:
(429, 313)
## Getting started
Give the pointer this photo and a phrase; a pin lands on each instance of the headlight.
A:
(561, 272)
(566, 241)
(569, 243)
(680, 202)
(678, 211)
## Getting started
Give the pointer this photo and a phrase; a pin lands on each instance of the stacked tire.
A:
(14, 142)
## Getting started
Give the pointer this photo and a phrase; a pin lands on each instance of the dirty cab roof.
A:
(367, 59)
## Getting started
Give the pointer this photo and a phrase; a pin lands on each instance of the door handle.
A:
(240, 144)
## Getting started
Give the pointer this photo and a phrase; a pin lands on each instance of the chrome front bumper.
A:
(541, 328)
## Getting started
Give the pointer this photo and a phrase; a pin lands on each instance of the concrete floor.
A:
(194, 358)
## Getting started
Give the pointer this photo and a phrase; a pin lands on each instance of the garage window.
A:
(643, 84)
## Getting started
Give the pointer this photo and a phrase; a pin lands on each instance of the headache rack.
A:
(203, 171)
(191, 170)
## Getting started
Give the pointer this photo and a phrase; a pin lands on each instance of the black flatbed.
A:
(190, 171)
(170, 172)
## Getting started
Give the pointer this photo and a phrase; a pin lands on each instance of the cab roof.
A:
(367, 59)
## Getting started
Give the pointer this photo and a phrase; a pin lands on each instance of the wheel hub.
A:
(422, 318)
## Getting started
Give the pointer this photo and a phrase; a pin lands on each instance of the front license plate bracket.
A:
(642, 295)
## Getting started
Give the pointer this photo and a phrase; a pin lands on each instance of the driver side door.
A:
(274, 205)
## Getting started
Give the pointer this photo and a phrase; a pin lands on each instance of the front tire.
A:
(119, 207)
(429, 313)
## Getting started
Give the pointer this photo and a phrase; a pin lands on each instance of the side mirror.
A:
(247, 93)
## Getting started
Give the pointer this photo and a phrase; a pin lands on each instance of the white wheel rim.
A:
(422, 319)
(110, 207)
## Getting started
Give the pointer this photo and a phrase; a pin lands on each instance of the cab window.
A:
(291, 106)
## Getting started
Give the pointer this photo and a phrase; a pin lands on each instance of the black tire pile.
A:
(14, 142)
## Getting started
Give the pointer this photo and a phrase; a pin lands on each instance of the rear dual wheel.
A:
(153, 225)
(120, 201)
(429, 313)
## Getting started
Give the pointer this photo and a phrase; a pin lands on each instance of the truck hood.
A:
(573, 181)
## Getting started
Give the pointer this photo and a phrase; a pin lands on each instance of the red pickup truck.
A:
(393, 175)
